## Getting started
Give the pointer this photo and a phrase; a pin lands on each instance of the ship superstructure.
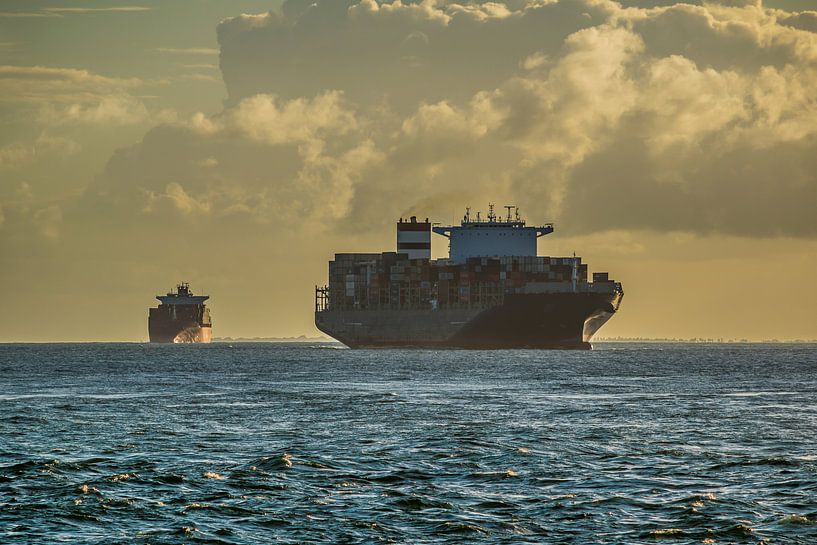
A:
(181, 317)
(492, 237)
(493, 291)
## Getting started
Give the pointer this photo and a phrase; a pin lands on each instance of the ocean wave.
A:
(295, 445)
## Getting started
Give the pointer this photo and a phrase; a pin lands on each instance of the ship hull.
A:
(543, 320)
(180, 334)
(166, 326)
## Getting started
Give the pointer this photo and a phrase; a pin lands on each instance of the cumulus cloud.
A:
(14, 154)
(263, 118)
(62, 96)
(110, 110)
(265, 153)
(26, 219)
(806, 20)
(663, 116)
(18, 154)
(48, 221)
(398, 53)
(178, 198)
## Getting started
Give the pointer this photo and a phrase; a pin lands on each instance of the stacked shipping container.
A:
(391, 280)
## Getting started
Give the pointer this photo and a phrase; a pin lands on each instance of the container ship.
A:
(492, 291)
(181, 317)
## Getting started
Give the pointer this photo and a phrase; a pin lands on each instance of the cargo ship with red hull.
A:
(492, 291)
(181, 317)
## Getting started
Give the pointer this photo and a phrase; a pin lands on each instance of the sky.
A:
(238, 144)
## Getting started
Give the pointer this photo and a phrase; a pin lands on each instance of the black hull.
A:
(543, 320)
(179, 333)
(179, 325)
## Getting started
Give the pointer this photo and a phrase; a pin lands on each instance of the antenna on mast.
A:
(510, 207)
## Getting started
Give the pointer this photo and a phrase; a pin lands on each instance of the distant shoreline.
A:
(327, 340)
(701, 341)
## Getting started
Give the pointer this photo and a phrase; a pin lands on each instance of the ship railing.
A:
(406, 307)
(321, 298)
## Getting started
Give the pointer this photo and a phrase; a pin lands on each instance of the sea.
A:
(314, 443)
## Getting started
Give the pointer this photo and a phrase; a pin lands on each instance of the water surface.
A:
(309, 443)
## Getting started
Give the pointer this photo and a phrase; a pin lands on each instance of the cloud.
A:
(199, 66)
(188, 50)
(110, 9)
(399, 53)
(722, 37)
(674, 118)
(112, 110)
(175, 196)
(264, 154)
(51, 12)
(46, 145)
(805, 20)
(27, 14)
(264, 118)
(27, 219)
(14, 154)
(42, 83)
(61, 74)
(115, 110)
(199, 77)
(48, 221)
(61, 96)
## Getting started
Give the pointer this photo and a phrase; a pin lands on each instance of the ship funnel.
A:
(414, 238)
